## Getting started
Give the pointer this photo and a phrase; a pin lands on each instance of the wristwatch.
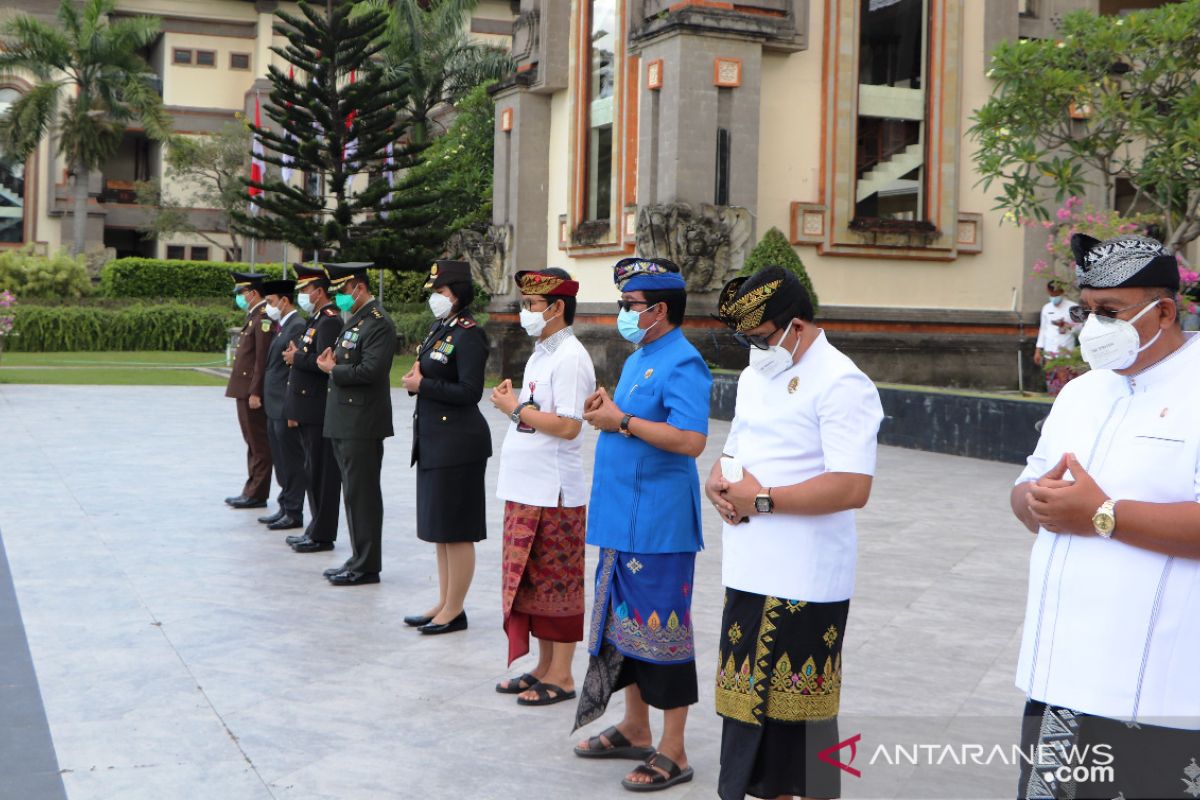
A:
(1105, 519)
(624, 429)
(763, 503)
(516, 415)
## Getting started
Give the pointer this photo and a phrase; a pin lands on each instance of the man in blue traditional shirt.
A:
(645, 517)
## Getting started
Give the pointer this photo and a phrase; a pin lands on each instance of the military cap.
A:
(247, 280)
(340, 272)
(445, 271)
(307, 276)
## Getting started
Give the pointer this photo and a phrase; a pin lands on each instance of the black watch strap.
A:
(625, 424)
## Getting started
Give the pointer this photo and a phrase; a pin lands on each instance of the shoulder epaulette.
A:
(375, 313)
(329, 312)
(466, 322)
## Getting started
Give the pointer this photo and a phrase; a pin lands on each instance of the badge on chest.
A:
(349, 339)
(441, 351)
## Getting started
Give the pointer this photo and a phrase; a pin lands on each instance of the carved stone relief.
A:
(488, 253)
(709, 243)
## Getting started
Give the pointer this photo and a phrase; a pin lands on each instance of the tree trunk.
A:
(82, 176)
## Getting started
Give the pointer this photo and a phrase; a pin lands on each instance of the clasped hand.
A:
(504, 398)
(1066, 506)
(601, 412)
(412, 378)
(733, 501)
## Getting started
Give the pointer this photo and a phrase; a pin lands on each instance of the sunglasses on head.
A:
(1081, 313)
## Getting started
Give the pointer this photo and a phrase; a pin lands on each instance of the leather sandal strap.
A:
(662, 762)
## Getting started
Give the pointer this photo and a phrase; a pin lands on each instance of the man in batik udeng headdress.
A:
(799, 459)
(644, 515)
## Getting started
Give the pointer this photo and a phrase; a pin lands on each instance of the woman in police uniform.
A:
(451, 442)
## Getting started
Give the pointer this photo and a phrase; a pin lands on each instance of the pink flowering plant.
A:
(1078, 216)
(7, 301)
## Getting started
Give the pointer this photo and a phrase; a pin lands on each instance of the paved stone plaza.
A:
(183, 651)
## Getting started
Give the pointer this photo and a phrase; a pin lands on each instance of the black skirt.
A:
(779, 688)
(452, 504)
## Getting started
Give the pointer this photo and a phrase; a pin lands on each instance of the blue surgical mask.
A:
(306, 303)
(1056, 300)
(241, 301)
(627, 324)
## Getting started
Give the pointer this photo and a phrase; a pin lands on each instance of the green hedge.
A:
(159, 277)
(49, 329)
(29, 275)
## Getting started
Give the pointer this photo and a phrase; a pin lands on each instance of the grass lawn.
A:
(150, 368)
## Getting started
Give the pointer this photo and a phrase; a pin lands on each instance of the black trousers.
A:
(360, 462)
(287, 454)
(253, 422)
(324, 483)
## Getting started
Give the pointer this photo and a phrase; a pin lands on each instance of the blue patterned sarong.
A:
(643, 606)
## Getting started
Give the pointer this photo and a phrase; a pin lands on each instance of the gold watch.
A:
(1105, 519)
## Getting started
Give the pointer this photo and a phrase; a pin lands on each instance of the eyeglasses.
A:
(750, 340)
(1081, 313)
(527, 305)
(627, 305)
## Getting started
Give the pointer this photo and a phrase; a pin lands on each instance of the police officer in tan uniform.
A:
(246, 387)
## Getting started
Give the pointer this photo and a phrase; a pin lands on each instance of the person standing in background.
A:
(246, 387)
(287, 452)
(308, 389)
(544, 490)
(1056, 332)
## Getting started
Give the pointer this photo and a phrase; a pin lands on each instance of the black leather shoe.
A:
(459, 623)
(296, 537)
(248, 502)
(267, 520)
(417, 620)
(349, 578)
(236, 499)
(286, 523)
(309, 546)
(329, 573)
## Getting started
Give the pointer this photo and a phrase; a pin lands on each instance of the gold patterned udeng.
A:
(535, 284)
(746, 312)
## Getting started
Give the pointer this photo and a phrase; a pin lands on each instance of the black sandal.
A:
(654, 768)
(544, 698)
(618, 747)
(510, 689)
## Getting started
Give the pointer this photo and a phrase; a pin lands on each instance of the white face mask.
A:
(273, 312)
(440, 305)
(775, 360)
(1113, 343)
(533, 322)
(306, 303)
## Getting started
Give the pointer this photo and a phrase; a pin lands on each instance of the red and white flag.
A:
(391, 178)
(257, 166)
(351, 145)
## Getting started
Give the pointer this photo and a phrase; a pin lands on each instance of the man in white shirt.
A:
(1110, 655)
(1056, 333)
(804, 437)
(542, 483)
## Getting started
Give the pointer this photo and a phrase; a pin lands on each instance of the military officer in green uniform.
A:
(358, 415)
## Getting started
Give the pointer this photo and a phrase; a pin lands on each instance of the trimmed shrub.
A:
(49, 329)
(29, 275)
(774, 249)
(160, 277)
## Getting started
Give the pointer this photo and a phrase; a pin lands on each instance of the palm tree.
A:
(96, 64)
(430, 50)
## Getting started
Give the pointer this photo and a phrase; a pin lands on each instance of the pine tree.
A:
(774, 249)
(335, 113)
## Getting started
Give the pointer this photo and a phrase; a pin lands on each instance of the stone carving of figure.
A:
(709, 243)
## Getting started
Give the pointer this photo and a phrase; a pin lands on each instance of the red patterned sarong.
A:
(542, 576)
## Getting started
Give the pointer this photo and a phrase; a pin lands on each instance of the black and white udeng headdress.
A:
(1123, 262)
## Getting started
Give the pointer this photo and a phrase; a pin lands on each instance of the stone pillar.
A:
(520, 197)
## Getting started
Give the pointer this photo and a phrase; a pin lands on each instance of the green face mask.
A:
(241, 301)
(345, 302)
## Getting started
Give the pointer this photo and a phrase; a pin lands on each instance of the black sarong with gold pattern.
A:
(779, 682)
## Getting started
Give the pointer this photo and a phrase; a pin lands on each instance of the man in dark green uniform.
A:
(358, 415)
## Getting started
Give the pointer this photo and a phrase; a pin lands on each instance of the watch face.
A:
(1104, 523)
(762, 505)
